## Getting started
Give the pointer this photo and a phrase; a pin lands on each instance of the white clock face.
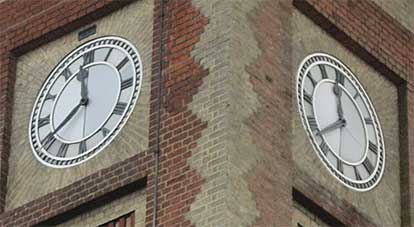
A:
(340, 121)
(85, 101)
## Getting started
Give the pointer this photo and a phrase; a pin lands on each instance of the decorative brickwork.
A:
(80, 192)
(178, 182)
(270, 76)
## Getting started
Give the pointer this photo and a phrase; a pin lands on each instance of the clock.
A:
(85, 101)
(340, 121)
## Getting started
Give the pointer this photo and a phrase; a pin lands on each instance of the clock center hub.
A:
(102, 85)
(350, 131)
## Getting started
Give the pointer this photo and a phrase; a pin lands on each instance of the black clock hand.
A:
(82, 75)
(69, 116)
(337, 124)
(338, 92)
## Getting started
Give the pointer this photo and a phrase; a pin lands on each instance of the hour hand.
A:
(337, 124)
(82, 75)
(338, 92)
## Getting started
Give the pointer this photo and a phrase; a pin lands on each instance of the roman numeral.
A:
(48, 141)
(312, 123)
(340, 78)
(339, 166)
(119, 108)
(107, 55)
(357, 175)
(105, 131)
(307, 97)
(368, 165)
(356, 95)
(122, 63)
(88, 57)
(372, 147)
(313, 81)
(127, 83)
(82, 147)
(324, 147)
(323, 71)
(67, 73)
(62, 150)
(368, 121)
(44, 121)
(50, 97)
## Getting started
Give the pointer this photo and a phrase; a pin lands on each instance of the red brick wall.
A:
(271, 181)
(180, 128)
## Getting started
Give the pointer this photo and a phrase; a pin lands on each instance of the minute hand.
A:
(338, 93)
(337, 124)
(68, 117)
(82, 75)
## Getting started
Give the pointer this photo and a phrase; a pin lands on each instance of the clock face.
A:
(85, 101)
(340, 121)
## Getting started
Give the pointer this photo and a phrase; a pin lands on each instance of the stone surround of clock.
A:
(310, 170)
(34, 67)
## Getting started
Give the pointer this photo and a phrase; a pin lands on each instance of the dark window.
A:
(127, 220)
